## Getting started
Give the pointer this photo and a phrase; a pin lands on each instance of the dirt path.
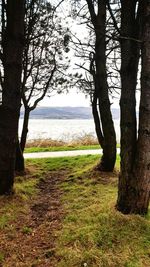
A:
(36, 232)
(57, 154)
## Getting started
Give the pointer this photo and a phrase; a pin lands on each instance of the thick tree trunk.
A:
(142, 164)
(134, 184)
(8, 127)
(11, 97)
(101, 86)
(24, 129)
(19, 164)
(129, 68)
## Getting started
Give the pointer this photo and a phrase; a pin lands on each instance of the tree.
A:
(129, 68)
(12, 41)
(134, 181)
(42, 57)
(96, 54)
(43, 68)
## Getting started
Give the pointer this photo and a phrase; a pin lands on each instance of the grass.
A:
(27, 230)
(60, 148)
(25, 188)
(93, 232)
(2, 256)
(64, 163)
(83, 142)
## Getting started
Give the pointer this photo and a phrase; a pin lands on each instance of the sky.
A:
(73, 99)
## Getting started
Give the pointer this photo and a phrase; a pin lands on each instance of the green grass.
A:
(2, 256)
(27, 230)
(71, 164)
(24, 188)
(93, 232)
(61, 148)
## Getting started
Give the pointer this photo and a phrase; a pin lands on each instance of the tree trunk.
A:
(101, 86)
(97, 121)
(8, 127)
(19, 164)
(24, 129)
(134, 183)
(20, 147)
(129, 68)
(104, 116)
(141, 171)
(11, 97)
(109, 148)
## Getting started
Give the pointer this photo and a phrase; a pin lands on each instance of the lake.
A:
(61, 129)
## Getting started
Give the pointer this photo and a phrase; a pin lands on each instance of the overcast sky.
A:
(73, 99)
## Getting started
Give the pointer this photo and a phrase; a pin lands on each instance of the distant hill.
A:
(65, 113)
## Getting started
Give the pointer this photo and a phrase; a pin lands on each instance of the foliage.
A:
(84, 47)
(44, 52)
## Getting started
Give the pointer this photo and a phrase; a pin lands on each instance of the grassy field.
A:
(83, 227)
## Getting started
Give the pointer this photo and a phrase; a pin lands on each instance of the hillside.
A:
(65, 113)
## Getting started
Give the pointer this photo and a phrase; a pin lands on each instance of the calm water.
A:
(61, 129)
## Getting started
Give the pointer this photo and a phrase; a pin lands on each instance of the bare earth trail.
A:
(57, 154)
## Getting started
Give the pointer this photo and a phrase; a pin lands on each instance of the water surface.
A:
(61, 129)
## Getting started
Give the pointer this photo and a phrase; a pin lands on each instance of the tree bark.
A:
(24, 129)
(141, 171)
(101, 86)
(128, 124)
(102, 116)
(134, 182)
(19, 163)
(11, 96)
(19, 166)
(97, 121)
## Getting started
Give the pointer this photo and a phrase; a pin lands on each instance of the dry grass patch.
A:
(85, 139)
